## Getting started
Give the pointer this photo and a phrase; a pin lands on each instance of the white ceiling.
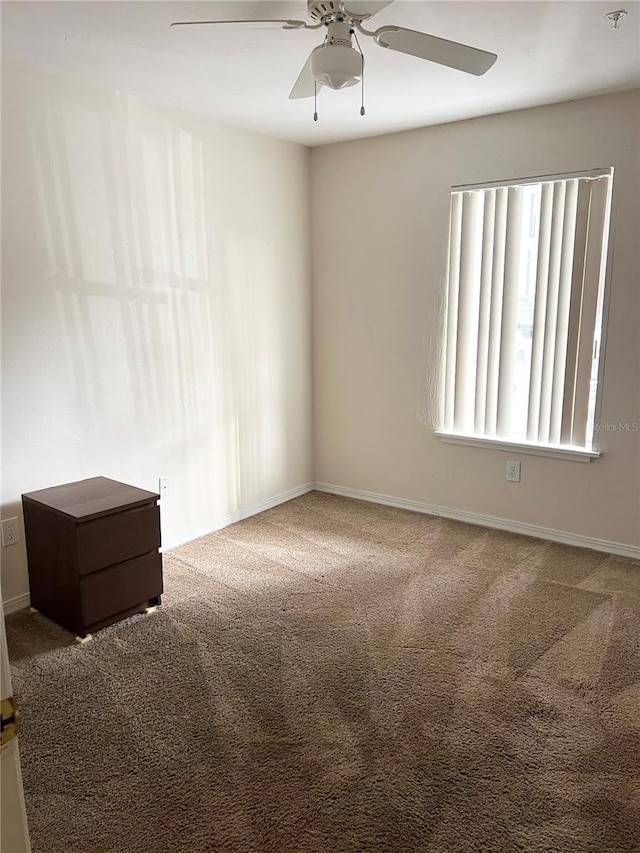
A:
(548, 51)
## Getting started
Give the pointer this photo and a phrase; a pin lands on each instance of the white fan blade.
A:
(366, 7)
(444, 52)
(305, 85)
(266, 22)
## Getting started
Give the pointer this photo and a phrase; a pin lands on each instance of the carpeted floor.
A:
(338, 677)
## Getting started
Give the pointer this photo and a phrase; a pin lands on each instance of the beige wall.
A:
(156, 309)
(380, 222)
(155, 304)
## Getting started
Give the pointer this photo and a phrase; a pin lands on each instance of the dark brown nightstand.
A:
(92, 549)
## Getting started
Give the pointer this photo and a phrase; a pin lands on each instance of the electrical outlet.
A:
(163, 486)
(513, 472)
(10, 532)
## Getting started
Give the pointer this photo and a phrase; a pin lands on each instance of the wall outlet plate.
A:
(163, 486)
(513, 472)
(10, 532)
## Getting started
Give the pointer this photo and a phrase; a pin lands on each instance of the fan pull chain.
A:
(315, 100)
(362, 110)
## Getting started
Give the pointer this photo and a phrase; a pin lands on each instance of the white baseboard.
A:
(18, 602)
(487, 521)
(246, 512)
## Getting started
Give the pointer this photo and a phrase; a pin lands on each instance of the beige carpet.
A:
(337, 677)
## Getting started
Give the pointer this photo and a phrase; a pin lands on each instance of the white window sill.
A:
(557, 451)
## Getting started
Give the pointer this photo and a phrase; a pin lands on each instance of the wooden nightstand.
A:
(92, 549)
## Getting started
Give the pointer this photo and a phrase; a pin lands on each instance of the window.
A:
(526, 277)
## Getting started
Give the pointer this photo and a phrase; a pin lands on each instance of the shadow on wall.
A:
(144, 302)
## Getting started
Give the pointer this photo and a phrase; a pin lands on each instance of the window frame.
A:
(504, 443)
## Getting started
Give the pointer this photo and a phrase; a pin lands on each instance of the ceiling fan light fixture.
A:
(336, 66)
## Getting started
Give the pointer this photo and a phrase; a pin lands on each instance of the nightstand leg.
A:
(83, 640)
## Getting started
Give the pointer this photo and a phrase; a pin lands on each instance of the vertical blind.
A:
(559, 227)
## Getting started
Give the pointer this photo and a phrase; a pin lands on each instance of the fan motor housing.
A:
(320, 10)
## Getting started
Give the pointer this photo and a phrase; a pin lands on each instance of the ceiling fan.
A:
(337, 64)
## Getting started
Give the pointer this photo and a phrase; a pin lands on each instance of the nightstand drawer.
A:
(114, 590)
(117, 537)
